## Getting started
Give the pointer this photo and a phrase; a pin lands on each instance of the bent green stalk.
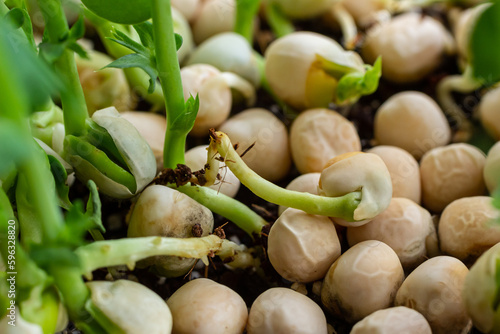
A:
(237, 212)
(72, 98)
(341, 207)
(130, 250)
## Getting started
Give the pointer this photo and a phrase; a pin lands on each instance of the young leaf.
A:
(138, 60)
(60, 177)
(178, 41)
(353, 85)
(77, 31)
(186, 120)
(484, 46)
(15, 17)
(124, 40)
(145, 32)
(94, 207)
(19, 18)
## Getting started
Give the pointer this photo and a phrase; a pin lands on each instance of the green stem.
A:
(245, 14)
(342, 207)
(174, 147)
(226, 206)
(128, 251)
(72, 98)
(169, 74)
(280, 24)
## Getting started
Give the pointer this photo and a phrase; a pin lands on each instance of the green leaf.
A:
(353, 85)
(185, 120)
(19, 18)
(77, 31)
(145, 32)
(485, 45)
(124, 40)
(138, 60)
(178, 41)
(94, 207)
(15, 17)
(78, 49)
(60, 177)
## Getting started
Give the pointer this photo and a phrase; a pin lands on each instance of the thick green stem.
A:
(72, 98)
(342, 207)
(169, 74)
(174, 147)
(228, 207)
(130, 250)
(245, 15)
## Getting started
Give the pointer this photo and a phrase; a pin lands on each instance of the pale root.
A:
(302, 247)
(284, 311)
(196, 158)
(204, 306)
(404, 170)
(467, 229)
(449, 173)
(411, 46)
(412, 121)
(270, 154)
(362, 280)
(404, 226)
(318, 135)
(435, 290)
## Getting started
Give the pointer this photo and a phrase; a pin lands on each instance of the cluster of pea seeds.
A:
(404, 270)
